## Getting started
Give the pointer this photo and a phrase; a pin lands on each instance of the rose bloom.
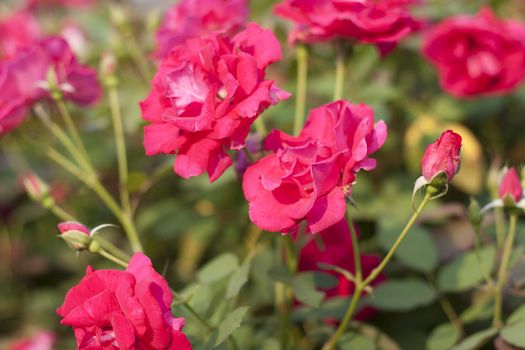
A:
(307, 177)
(380, 22)
(205, 97)
(17, 31)
(23, 80)
(125, 310)
(194, 18)
(477, 55)
(43, 340)
(510, 186)
(336, 249)
(442, 156)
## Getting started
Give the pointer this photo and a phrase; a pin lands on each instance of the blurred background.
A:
(185, 223)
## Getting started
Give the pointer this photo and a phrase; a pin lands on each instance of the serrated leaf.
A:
(239, 278)
(231, 322)
(402, 295)
(305, 290)
(417, 251)
(218, 268)
(514, 334)
(476, 340)
(443, 337)
(465, 271)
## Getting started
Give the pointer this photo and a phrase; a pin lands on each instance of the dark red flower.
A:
(380, 22)
(307, 177)
(510, 186)
(442, 156)
(205, 97)
(477, 55)
(194, 18)
(337, 250)
(125, 310)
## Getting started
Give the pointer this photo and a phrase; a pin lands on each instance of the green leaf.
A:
(443, 337)
(476, 340)
(402, 295)
(231, 322)
(355, 341)
(417, 251)
(517, 316)
(218, 268)
(305, 291)
(465, 272)
(514, 334)
(239, 278)
(477, 312)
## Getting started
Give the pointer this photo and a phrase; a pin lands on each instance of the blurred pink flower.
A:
(442, 156)
(510, 186)
(307, 177)
(337, 250)
(125, 310)
(380, 22)
(23, 80)
(193, 18)
(43, 340)
(477, 55)
(17, 31)
(205, 97)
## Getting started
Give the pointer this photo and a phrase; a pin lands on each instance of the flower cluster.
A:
(194, 18)
(477, 55)
(128, 310)
(307, 177)
(380, 22)
(206, 95)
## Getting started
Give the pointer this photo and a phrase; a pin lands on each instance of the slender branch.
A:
(502, 273)
(61, 213)
(291, 263)
(302, 82)
(355, 247)
(484, 272)
(109, 256)
(340, 62)
(70, 126)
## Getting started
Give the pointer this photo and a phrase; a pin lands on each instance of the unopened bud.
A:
(108, 66)
(474, 213)
(35, 187)
(76, 235)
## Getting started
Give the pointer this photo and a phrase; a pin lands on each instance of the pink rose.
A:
(194, 18)
(205, 97)
(337, 250)
(43, 340)
(380, 22)
(23, 79)
(442, 156)
(17, 31)
(307, 177)
(510, 186)
(477, 55)
(67, 226)
(125, 310)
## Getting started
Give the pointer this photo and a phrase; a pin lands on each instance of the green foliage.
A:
(476, 340)
(231, 322)
(402, 295)
(443, 337)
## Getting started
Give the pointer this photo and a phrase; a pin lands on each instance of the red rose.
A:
(337, 250)
(307, 177)
(381, 22)
(442, 156)
(510, 186)
(477, 55)
(23, 79)
(205, 97)
(17, 31)
(125, 310)
(43, 340)
(194, 18)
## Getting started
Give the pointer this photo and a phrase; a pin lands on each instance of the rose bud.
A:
(440, 163)
(76, 235)
(35, 187)
(510, 188)
(474, 213)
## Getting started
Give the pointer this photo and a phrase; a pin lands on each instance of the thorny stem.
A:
(302, 82)
(291, 263)
(360, 287)
(502, 273)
